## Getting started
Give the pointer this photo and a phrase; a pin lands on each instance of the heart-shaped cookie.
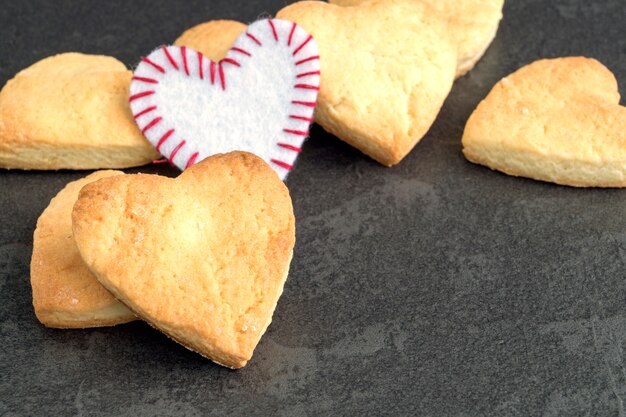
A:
(202, 257)
(70, 111)
(65, 292)
(556, 120)
(473, 23)
(259, 99)
(387, 68)
(213, 38)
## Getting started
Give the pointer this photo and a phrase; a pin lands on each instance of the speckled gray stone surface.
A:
(433, 288)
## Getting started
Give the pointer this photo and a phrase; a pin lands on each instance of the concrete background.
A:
(436, 287)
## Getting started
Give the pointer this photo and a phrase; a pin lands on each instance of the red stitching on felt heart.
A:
(293, 29)
(222, 76)
(140, 95)
(230, 61)
(241, 51)
(156, 66)
(145, 80)
(302, 45)
(304, 103)
(254, 38)
(164, 138)
(307, 87)
(212, 72)
(273, 29)
(288, 146)
(176, 149)
(292, 132)
(183, 51)
(200, 69)
(169, 57)
(296, 132)
(145, 111)
(282, 164)
(306, 119)
(191, 160)
(307, 74)
(150, 125)
(311, 58)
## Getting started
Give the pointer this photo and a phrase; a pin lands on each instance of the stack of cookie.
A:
(204, 257)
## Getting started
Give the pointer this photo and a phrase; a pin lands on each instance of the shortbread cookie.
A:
(387, 67)
(65, 293)
(213, 38)
(556, 120)
(473, 23)
(70, 111)
(202, 257)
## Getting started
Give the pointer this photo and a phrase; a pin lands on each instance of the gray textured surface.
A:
(435, 288)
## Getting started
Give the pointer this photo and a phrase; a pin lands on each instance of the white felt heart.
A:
(260, 98)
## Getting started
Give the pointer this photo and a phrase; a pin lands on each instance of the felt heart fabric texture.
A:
(556, 120)
(260, 98)
(202, 257)
(387, 67)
